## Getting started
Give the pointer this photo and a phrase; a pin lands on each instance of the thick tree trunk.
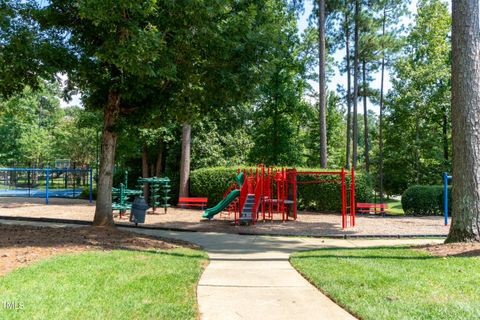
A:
(103, 209)
(145, 171)
(349, 94)
(185, 160)
(465, 121)
(380, 121)
(355, 88)
(365, 116)
(321, 84)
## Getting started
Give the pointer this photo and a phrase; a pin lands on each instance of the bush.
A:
(425, 200)
(86, 193)
(323, 197)
(211, 182)
(326, 197)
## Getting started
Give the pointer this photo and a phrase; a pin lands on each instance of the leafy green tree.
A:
(27, 124)
(75, 137)
(130, 57)
(416, 122)
(336, 122)
(113, 50)
(276, 116)
(36, 145)
(20, 48)
(391, 10)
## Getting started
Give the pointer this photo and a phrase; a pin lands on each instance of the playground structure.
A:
(263, 192)
(45, 182)
(446, 178)
(159, 191)
(159, 188)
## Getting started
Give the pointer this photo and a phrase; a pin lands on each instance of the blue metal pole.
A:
(445, 197)
(91, 184)
(46, 193)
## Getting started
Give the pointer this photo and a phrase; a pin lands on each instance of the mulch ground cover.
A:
(22, 245)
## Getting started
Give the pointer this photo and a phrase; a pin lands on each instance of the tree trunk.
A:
(380, 121)
(445, 135)
(365, 116)
(355, 88)
(465, 121)
(145, 171)
(158, 164)
(349, 95)
(417, 148)
(321, 84)
(185, 160)
(103, 209)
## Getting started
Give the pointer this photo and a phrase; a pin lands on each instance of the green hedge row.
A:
(425, 200)
(322, 197)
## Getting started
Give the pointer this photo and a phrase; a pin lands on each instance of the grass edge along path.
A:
(394, 282)
(117, 284)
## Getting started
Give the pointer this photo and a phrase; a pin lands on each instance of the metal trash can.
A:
(139, 210)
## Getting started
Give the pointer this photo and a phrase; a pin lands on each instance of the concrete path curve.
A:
(250, 277)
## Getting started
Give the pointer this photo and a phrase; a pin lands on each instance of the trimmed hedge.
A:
(425, 200)
(322, 197)
(211, 183)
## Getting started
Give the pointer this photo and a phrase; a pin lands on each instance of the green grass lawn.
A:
(394, 207)
(395, 283)
(106, 285)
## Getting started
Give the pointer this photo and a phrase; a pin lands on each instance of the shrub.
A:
(86, 193)
(213, 182)
(425, 200)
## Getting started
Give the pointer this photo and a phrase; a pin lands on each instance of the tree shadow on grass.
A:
(343, 254)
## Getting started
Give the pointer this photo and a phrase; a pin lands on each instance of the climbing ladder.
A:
(247, 211)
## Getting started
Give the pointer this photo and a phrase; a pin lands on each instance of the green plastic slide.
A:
(209, 213)
(234, 194)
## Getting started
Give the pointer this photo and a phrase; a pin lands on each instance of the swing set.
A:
(348, 203)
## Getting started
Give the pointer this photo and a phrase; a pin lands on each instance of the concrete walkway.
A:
(250, 277)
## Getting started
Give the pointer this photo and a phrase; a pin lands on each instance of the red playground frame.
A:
(268, 191)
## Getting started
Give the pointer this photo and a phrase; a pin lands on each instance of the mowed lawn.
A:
(115, 284)
(395, 282)
(394, 207)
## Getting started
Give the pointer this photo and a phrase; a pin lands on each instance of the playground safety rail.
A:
(48, 171)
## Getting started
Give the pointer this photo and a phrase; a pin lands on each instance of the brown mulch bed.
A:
(307, 224)
(22, 245)
(453, 249)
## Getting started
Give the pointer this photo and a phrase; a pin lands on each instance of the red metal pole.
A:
(270, 193)
(352, 199)
(294, 177)
(262, 196)
(344, 212)
(282, 181)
